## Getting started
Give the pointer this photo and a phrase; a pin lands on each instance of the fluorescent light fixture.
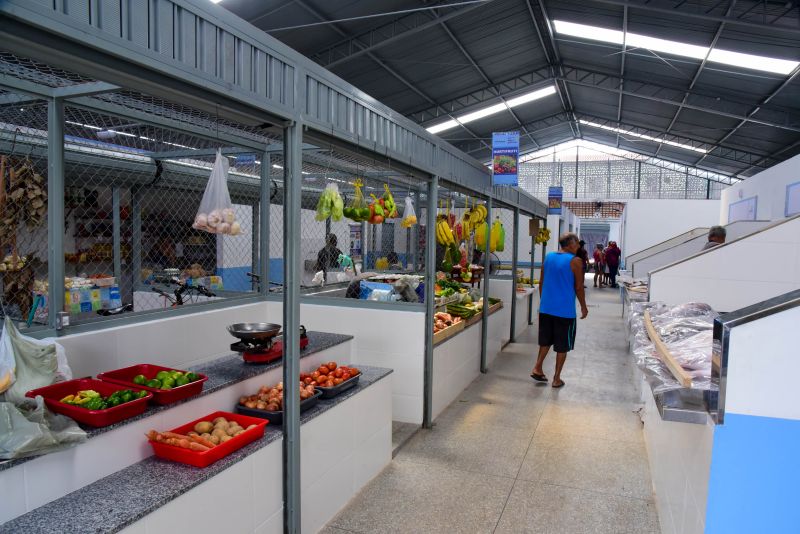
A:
(622, 131)
(215, 1)
(677, 48)
(84, 125)
(491, 110)
(275, 166)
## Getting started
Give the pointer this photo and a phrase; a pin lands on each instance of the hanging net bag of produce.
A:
(330, 204)
(498, 235)
(358, 210)
(216, 213)
(409, 215)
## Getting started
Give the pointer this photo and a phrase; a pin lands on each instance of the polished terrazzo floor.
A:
(511, 456)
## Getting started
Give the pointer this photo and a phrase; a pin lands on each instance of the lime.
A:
(181, 381)
(162, 375)
(176, 374)
(169, 381)
(192, 377)
(139, 379)
(127, 396)
(154, 383)
(166, 386)
(142, 394)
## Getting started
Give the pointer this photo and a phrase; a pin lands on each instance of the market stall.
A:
(708, 404)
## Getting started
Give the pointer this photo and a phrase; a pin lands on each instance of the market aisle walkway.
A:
(511, 456)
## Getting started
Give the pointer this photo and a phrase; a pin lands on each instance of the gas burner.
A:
(266, 350)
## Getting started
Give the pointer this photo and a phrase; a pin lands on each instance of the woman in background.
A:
(599, 265)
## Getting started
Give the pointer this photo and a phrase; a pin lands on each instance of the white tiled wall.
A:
(737, 274)
(762, 367)
(341, 450)
(385, 338)
(680, 462)
(54, 475)
(456, 363)
(175, 341)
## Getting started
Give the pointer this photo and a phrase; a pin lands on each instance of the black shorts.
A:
(558, 332)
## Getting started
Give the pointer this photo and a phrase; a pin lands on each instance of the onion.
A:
(236, 228)
(224, 228)
(228, 216)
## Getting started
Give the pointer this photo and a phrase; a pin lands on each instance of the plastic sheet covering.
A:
(687, 331)
(30, 430)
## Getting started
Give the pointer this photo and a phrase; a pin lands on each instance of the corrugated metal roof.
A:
(452, 60)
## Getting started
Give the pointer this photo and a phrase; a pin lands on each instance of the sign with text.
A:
(554, 197)
(505, 158)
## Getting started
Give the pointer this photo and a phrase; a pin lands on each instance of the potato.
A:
(223, 439)
(214, 440)
(218, 432)
(239, 432)
(251, 426)
(206, 436)
(203, 427)
(222, 424)
(220, 420)
(233, 430)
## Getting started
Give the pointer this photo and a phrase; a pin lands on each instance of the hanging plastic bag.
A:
(30, 430)
(7, 362)
(330, 204)
(38, 362)
(358, 210)
(409, 215)
(497, 236)
(216, 213)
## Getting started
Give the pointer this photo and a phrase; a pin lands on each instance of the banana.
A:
(5, 382)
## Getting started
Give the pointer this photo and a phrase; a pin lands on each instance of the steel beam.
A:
(382, 63)
(136, 233)
(795, 73)
(622, 65)
(774, 155)
(487, 262)
(514, 261)
(697, 72)
(395, 30)
(117, 233)
(292, 268)
(55, 207)
(733, 21)
(430, 297)
(264, 222)
(85, 89)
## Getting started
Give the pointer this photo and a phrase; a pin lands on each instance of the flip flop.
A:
(539, 378)
(561, 385)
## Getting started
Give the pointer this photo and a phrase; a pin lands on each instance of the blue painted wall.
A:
(755, 474)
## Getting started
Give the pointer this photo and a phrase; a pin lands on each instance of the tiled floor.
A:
(513, 456)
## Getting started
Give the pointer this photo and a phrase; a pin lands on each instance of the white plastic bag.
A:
(216, 214)
(30, 430)
(7, 362)
(39, 363)
(409, 215)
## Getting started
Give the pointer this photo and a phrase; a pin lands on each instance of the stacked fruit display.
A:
(166, 379)
(329, 375)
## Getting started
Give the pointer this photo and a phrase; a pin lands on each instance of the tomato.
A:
(338, 373)
(331, 365)
(354, 371)
(308, 380)
(337, 381)
(329, 384)
(345, 376)
(315, 375)
(323, 370)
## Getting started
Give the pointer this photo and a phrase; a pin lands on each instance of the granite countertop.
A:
(116, 501)
(221, 373)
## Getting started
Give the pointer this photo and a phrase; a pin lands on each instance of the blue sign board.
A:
(554, 197)
(505, 158)
(245, 159)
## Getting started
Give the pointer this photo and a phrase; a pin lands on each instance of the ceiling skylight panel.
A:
(481, 113)
(646, 137)
(676, 48)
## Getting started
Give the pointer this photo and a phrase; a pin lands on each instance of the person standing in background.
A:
(583, 255)
(612, 254)
(599, 265)
(716, 236)
(560, 282)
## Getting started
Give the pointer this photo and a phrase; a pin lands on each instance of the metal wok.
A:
(254, 331)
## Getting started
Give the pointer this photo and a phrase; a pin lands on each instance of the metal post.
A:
(486, 267)
(430, 280)
(117, 233)
(686, 183)
(708, 189)
(255, 259)
(263, 222)
(638, 179)
(293, 179)
(55, 207)
(363, 247)
(136, 235)
(514, 261)
(577, 164)
(415, 235)
(533, 263)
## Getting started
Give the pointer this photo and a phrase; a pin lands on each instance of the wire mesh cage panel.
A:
(23, 209)
(132, 192)
(501, 259)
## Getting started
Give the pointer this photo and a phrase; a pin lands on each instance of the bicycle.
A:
(182, 290)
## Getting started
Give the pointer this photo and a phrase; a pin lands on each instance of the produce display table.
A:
(127, 497)
(109, 448)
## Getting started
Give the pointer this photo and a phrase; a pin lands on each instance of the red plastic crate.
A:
(206, 458)
(124, 377)
(54, 393)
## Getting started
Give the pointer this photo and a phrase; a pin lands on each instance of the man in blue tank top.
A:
(560, 281)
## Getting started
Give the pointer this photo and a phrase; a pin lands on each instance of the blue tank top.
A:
(558, 292)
